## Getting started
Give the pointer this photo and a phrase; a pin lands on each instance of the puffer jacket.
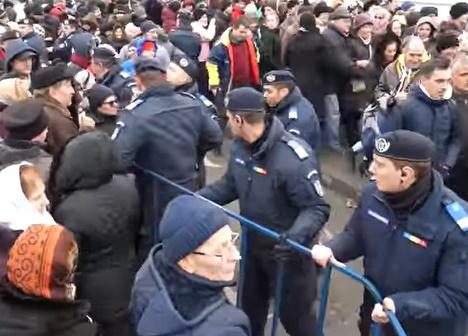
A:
(102, 210)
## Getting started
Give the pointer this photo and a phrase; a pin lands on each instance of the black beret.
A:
(45, 77)
(143, 64)
(25, 120)
(187, 64)
(404, 145)
(245, 99)
(278, 76)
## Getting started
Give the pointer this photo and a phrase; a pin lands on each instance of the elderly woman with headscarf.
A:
(38, 295)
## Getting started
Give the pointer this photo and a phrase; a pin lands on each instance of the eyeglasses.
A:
(234, 237)
(112, 102)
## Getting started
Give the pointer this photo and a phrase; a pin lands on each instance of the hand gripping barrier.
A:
(324, 291)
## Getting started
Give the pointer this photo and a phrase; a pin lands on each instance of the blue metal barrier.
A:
(247, 223)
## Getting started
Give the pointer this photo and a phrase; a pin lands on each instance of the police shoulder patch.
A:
(116, 132)
(298, 149)
(205, 100)
(186, 94)
(293, 113)
(134, 104)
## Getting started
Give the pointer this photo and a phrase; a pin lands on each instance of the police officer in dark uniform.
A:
(182, 72)
(162, 131)
(109, 73)
(413, 234)
(285, 100)
(274, 175)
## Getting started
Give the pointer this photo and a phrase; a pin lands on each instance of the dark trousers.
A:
(297, 298)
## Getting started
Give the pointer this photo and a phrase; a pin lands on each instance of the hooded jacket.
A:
(15, 48)
(154, 313)
(102, 210)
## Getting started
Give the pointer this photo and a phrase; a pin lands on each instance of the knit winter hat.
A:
(97, 95)
(186, 224)
(25, 120)
(459, 9)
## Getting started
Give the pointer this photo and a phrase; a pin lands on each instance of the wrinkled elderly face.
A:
(414, 57)
(63, 92)
(216, 258)
(460, 77)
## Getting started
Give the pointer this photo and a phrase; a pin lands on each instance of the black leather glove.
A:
(283, 252)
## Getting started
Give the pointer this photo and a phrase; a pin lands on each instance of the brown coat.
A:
(61, 126)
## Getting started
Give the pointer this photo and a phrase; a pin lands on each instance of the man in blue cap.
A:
(165, 132)
(412, 232)
(179, 289)
(285, 100)
(274, 175)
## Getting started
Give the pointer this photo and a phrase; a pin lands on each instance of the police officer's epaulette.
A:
(124, 74)
(204, 100)
(456, 211)
(186, 94)
(133, 104)
(296, 146)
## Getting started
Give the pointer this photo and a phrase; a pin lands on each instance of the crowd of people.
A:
(100, 98)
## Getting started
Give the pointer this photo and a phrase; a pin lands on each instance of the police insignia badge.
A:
(382, 145)
(183, 62)
(116, 132)
(270, 78)
(318, 188)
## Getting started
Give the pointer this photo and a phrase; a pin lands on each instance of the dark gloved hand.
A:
(282, 252)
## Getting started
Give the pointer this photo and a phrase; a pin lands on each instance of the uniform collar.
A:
(291, 99)
(272, 134)
(164, 89)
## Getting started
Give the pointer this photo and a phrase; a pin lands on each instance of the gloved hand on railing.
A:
(322, 255)
(379, 315)
(283, 252)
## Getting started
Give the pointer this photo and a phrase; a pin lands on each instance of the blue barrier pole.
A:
(298, 247)
(324, 291)
(278, 290)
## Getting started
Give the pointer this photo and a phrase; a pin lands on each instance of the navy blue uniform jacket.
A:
(428, 281)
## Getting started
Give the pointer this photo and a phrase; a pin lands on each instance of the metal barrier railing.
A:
(325, 288)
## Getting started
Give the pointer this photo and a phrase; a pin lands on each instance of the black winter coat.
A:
(23, 315)
(101, 209)
(457, 180)
(270, 50)
(309, 58)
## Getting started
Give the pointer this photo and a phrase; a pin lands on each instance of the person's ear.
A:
(238, 120)
(408, 175)
(187, 264)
